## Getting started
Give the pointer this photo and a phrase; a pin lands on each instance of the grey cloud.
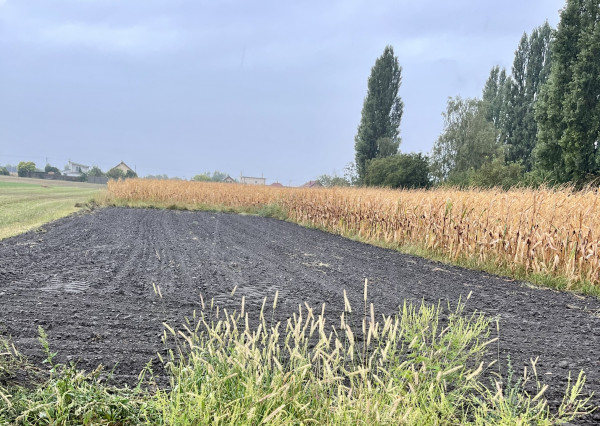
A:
(275, 87)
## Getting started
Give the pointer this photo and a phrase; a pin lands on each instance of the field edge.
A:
(491, 266)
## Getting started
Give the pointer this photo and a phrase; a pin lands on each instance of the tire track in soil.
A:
(88, 280)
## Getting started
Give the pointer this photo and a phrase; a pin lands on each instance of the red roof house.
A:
(312, 184)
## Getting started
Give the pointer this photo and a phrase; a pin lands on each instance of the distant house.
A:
(229, 179)
(312, 184)
(123, 167)
(248, 180)
(75, 169)
(276, 185)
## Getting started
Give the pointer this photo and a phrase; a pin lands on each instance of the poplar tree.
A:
(494, 96)
(378, 131)
(568, 111)
(530, 70)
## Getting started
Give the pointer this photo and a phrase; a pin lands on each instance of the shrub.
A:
(398, 171)
(115, 174)
(95, 172)
(202, 177)
(51, 169)
(498, 174)
(329, 181)
(25, 167)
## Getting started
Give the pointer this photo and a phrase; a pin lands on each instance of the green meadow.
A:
(25, 206)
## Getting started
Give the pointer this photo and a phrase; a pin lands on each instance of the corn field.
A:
(546, 231)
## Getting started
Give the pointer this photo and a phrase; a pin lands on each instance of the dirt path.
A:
(88, 281)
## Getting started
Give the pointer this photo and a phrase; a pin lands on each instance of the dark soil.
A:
(88, 281)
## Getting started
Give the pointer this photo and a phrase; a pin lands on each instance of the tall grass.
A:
(409, 368)
(65, 395)
(227, 368)
(542, 232)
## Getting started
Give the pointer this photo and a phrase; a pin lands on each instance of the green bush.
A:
(25, 167)
(202, 177)
(52, 169)
(217, 176)
(329, 181)
(95, 172)
(498, 174)
(115, 174)
(398, 171)
(492, 174)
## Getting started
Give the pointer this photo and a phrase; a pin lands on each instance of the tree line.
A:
(26, 167)
(538, 123)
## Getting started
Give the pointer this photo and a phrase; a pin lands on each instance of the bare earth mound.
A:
(88, 281)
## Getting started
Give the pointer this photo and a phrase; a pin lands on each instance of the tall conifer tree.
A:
(568, 112)
(530, 69)
(379, 128)
(495, 93)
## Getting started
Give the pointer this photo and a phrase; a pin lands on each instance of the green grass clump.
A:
(67, 396)
(272, 210)
(11, 363)
(410, 368)
(425, 365)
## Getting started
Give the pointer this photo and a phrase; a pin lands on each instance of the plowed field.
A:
(88, 281)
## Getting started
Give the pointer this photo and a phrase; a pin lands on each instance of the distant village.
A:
(72, 171)
(80, 172)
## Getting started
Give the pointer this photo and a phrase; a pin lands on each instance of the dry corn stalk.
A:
(552, 231)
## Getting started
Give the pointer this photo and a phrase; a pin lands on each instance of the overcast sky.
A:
(271, 88)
